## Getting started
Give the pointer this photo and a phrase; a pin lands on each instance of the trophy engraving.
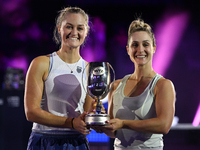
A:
(98, 86)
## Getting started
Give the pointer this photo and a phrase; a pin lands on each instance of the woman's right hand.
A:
(80, 125)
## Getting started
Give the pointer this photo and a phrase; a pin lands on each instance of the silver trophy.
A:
(98, 86)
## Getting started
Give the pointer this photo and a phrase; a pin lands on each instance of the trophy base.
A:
(97, 119)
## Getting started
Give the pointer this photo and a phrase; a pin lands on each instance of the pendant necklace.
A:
(71, 68)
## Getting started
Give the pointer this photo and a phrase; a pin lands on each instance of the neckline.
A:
(66, 62)
(69, 64)
(127, 77)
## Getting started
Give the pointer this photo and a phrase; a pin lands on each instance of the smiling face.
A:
(140, 48)
(73, 30)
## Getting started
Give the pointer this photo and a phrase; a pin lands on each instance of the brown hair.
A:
(61, 16)
(139, 25)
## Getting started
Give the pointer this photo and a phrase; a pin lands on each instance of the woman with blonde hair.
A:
(54, 97)
(142, 104)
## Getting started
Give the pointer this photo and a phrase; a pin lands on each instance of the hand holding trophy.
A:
(98, 86)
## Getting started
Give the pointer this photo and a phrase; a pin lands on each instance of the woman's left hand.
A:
(114, 124)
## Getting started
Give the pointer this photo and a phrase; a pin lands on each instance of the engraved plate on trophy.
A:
(98, 86)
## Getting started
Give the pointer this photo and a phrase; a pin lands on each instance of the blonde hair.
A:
(140, 25)
(61, 16)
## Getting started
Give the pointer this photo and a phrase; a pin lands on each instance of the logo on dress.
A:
(79, 69)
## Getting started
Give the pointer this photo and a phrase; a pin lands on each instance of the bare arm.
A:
(36, 75)
(165, 109)
(88, 103)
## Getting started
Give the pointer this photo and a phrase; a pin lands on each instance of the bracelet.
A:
(72, 123)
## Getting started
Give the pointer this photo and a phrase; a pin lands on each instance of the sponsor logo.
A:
(99, 71)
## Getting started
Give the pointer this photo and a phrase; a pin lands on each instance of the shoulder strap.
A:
(50, 62)
(154, 81)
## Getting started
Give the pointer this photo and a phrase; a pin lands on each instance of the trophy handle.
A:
(113, 77)
(84, 75)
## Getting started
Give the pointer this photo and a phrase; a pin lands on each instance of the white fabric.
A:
(63, 93)
(135, 108)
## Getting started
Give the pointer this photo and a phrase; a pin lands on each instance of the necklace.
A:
(71, 68)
